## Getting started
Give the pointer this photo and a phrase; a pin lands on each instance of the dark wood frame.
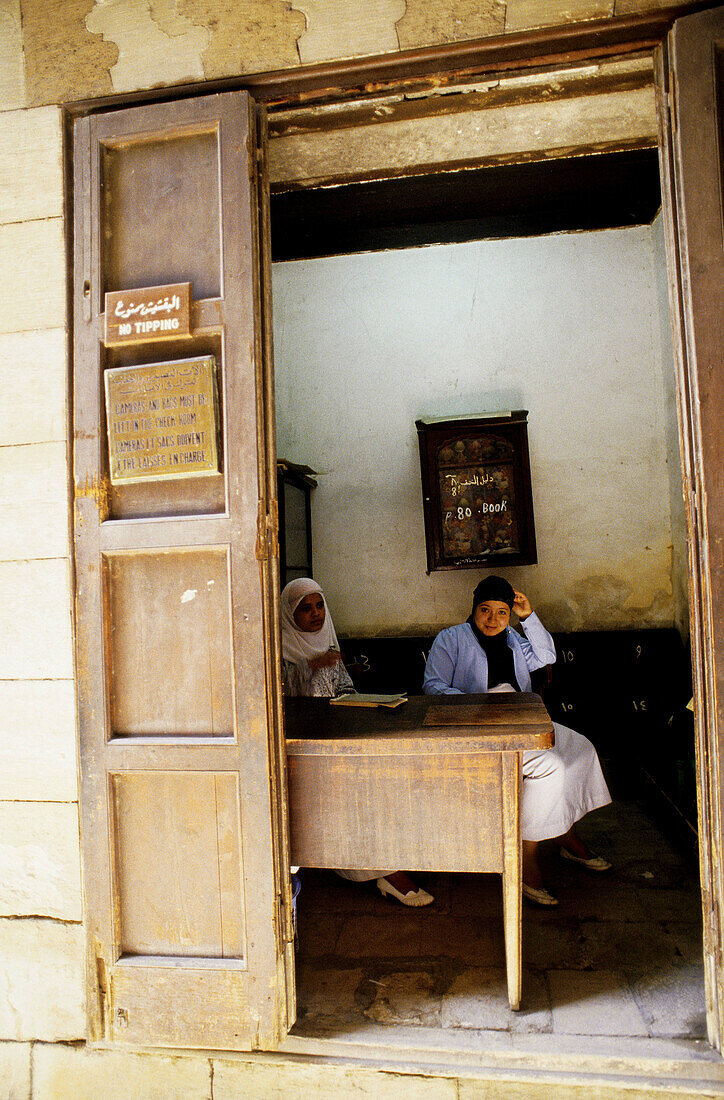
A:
(431, 436)
(289, 477)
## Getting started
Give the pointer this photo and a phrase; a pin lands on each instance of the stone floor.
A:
(621, 956)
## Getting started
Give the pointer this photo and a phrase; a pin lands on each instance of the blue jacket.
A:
(457, 664)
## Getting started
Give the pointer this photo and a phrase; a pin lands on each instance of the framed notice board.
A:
(476, 491)
(162, 420)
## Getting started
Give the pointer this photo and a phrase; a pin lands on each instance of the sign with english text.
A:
(162, 420)
(151, 313)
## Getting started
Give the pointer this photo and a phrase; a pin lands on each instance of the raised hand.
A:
(521, 605)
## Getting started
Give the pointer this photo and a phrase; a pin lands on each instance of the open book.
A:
(358, 700)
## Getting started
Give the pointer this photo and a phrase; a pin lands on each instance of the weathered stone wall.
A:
(41, 935)
(55, 51)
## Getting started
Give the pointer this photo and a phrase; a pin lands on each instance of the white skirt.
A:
(560, 785)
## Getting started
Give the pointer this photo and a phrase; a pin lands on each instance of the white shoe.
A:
(538, 897)
(414, 897)
(593, 863)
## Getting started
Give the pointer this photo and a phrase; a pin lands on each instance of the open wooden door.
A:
(184, 843)
(691, 78)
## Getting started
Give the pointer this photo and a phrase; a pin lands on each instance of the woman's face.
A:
(491, 616)
(310, 613)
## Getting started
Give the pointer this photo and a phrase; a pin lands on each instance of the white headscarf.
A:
(299, 645)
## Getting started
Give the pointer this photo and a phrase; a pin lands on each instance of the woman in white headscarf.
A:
(312, 666)
(311, 661)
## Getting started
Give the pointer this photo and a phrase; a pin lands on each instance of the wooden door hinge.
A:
(267, 530)
(102, 989)
(671, 97)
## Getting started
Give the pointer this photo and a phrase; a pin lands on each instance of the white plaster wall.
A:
(566, 326)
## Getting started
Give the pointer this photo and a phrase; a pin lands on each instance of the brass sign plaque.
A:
(162, 420)
(153, 313)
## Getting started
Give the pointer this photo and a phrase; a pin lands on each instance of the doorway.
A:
(574, 327)
(265, 843)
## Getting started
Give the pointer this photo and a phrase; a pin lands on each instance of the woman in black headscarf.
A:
(560, 785)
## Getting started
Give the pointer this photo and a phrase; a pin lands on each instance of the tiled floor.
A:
(621, 956)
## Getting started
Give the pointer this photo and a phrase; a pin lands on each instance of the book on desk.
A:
(358, 699)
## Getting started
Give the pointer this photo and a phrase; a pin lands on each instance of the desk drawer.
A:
(432, 812)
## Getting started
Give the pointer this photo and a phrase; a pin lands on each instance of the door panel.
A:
(178, 864)
(186, 871)
(692, 86)
(165, 603)
(162, 191)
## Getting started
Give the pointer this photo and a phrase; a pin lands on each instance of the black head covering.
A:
(501, 665)
(494, 588)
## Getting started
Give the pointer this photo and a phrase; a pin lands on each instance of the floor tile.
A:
(662, 903)
(391, 935)
(534, 1014)
(317, 933)
(478, 896)
(688, 940)
(593, 1003)
(406, 999)
(327, 994)
(628, 946)
(553, 945)
(673, 1001)
(477, 940)
(583, 896)
(477, 998)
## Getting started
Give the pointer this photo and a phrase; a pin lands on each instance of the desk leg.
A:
(512, 904)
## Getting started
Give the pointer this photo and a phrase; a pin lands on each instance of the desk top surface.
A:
(509, 722)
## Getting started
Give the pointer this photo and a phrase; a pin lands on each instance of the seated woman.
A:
(561, 784)
(312, 666)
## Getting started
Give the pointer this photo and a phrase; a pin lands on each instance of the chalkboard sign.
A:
(476, 491)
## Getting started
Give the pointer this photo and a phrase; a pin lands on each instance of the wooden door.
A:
(691, 80)
(184, 842)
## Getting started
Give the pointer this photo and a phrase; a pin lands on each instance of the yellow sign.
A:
(162, 420)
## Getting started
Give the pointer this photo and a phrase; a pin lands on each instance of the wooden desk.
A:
(433, 785)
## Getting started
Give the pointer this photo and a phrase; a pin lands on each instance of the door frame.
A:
(429, 69)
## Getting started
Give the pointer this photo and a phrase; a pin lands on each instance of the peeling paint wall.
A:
(565, 326)
(354, 28)
(425, 22)
(57, 51)
(246, 36)
(144, 31)
(63, 59)
(12, 66)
